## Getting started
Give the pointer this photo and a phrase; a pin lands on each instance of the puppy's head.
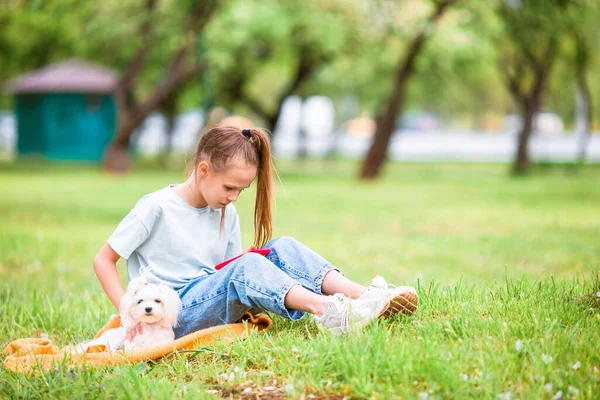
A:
(149, 303)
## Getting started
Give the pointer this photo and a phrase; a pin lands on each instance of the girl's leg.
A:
(309, 269)
(250, 283)
(299, 298)
(335, 282)
(288, 282)
(318, 275)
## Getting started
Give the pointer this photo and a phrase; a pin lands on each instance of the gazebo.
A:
(65, 111)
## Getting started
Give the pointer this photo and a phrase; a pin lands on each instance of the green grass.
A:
(499, 263)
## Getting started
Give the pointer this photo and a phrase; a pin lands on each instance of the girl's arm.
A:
(105, 265)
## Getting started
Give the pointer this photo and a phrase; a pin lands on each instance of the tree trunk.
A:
(529, 99)
(117, 158)
(521, 163)
(169, 109)
(169, 136)
(530, 106)
(584, 108)
(131, 113)
(586, 120)
(371, 165)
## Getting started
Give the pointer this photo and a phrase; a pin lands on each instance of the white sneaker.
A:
(403, 299)
(343, 314)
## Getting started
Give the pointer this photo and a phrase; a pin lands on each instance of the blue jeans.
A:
(251, 283)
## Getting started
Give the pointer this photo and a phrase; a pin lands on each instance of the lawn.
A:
(506, 269)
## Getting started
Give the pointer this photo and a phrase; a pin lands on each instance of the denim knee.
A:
(300, 262)
(259, 283)
(282, 241)
(247, 265)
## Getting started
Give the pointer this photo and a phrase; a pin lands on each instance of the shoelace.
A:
(345, 317)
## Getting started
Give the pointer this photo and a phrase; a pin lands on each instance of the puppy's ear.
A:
(172, 304)
(127, 301)
(126, 318)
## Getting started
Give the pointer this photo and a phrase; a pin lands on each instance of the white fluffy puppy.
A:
(149, 309)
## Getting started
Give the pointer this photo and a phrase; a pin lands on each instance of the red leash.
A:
(262, 252)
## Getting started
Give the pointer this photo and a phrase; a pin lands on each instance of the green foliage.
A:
(384, 30)
(506, 272)
(34, 33)
(254, 48)
(581, 26)
(456, 73)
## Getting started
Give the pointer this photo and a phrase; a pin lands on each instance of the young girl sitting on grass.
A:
(178, 234)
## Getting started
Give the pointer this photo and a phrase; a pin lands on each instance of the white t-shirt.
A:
(168, 241)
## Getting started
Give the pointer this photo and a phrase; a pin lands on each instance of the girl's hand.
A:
(131, 332)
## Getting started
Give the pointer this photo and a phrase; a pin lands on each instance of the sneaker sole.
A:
(405, 302)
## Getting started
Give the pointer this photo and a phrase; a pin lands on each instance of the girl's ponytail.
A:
(265, 191)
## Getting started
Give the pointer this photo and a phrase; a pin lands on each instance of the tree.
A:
(529, 46)
(35, 33)
(583, 29)
(261, 53)
(375, 157)
(585, 106)
(133, 112)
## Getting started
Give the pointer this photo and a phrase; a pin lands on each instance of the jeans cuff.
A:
(289, 313)
(321, 275)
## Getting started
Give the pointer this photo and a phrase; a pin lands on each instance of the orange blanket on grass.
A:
(25, 355)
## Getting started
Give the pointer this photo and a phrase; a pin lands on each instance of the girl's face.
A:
(219, 188)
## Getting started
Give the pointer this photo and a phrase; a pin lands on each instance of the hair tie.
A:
(247, 133)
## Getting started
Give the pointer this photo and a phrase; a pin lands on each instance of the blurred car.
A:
(418, 121)
(361, 127)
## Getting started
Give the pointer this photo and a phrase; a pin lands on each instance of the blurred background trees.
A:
(471, 64)
(529, 45)
(404, 71)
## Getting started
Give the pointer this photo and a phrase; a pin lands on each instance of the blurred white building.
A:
(287, 130)
(151, 138)
(8, 131)
(317, 123)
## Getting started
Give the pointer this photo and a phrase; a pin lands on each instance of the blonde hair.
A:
(219, 145)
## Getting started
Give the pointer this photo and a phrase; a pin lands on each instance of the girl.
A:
(177, 235)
